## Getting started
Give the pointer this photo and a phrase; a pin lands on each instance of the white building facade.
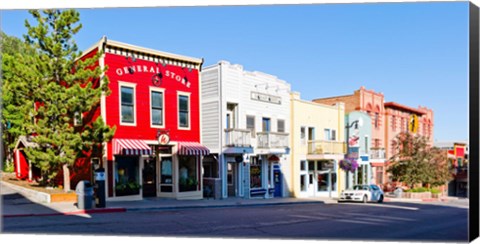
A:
(245, 124)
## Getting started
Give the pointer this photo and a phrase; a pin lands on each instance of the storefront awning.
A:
(192, 148)
(131, 147)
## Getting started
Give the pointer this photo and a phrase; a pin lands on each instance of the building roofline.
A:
(403, 107)
(134, 48)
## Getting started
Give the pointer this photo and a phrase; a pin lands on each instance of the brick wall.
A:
(352, 102)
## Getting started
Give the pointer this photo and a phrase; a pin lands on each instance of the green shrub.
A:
(8, 167)
(435, 191)
(419, 189)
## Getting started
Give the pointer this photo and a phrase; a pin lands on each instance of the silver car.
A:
(362, 193)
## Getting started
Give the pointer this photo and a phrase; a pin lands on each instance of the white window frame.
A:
(333, 132)
(303, 138)
(134, 87)
(278, 122)
(254, 129)
(161, 90)
(187, 94)
(327, 136)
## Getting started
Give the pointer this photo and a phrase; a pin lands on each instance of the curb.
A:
(135, 209)
(35, 196)
(84, 211)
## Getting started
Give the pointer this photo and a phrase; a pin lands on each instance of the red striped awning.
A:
(131, 147)
(192, 148)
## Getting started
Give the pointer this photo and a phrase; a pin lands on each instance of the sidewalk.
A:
(16, 204)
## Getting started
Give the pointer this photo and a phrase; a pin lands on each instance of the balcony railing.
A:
(377, 153)
(272, 140)
(237, 137)
(326, 147)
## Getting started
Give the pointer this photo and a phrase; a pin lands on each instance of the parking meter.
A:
(100, 188)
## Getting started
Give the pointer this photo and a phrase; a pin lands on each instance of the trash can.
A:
(398, 192)
(84, 191)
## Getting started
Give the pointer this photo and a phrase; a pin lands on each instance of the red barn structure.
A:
(22, 167)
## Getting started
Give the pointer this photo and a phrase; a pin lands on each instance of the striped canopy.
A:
(131, 147)
(192, 148)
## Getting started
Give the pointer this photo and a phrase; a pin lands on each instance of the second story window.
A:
(326, 132)
(251, 124)
(156, 98)
(127, 98)
(303, 135)
(333, 135)
(183, 111)
(376, 120)
(266, 124)
(280, 125)
(394, 124)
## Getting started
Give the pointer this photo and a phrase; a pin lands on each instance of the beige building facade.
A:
(317, 146)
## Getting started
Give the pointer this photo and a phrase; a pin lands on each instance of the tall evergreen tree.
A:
(16, 91)
(66, 88)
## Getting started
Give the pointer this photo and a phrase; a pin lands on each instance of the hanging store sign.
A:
(352, 152)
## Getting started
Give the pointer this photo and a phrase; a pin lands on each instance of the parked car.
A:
(362, 193)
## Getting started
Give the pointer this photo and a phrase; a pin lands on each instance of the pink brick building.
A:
(388, 120)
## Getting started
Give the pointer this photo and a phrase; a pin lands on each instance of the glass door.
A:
(166, 176)
(231, 179)
(149, 177)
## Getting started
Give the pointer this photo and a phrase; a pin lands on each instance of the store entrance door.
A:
(277, 179)
(232, 179)
(149, 178)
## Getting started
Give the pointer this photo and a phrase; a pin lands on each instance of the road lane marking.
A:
(382, 206)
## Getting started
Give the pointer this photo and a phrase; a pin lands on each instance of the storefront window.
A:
(255, 173)
(187, 173)
(322, 182)
(303, 165)
(303, 179)
(379, 175)
(166, 175)
(210, 167)
(126, 176)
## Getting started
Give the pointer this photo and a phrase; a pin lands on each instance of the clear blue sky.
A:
(415, 53)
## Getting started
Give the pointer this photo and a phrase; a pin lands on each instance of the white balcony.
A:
(269, 140)
(377, 153)
(237, 138)
(318, 147)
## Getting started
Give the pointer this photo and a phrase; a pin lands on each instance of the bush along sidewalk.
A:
(422, 193)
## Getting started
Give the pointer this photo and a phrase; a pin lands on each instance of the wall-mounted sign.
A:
(266, 98)
(155, 71)
(413, 123)
(163, 139)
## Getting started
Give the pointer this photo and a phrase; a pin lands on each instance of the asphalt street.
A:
(345, 221)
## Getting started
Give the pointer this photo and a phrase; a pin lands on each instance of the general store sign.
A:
(153, 70)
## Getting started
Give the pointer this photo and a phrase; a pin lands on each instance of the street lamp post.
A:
(356, 123)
